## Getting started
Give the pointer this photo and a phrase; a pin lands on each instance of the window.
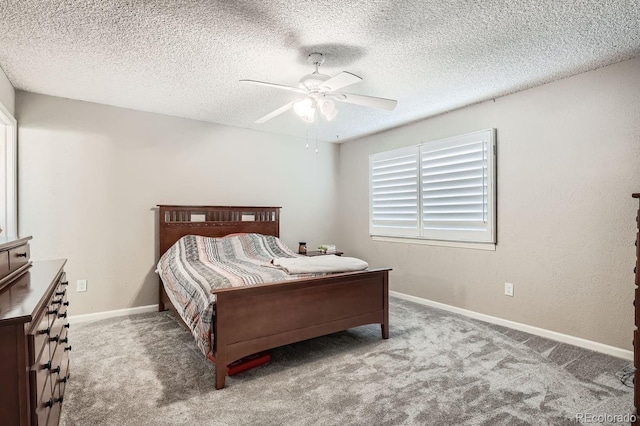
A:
(8, 176)
(442, 190)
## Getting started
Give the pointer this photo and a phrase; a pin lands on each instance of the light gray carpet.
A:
(437, 368)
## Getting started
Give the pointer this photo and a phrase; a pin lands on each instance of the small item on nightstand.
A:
(302, 248)
(327, 248)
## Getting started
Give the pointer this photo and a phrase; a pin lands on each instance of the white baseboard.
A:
(553, 335)
(75, 319)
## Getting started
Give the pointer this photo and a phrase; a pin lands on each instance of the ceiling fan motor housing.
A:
(312, 81)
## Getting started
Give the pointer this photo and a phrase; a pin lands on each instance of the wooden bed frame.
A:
(252, 319)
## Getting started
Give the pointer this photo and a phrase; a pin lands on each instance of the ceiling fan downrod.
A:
(316, 59)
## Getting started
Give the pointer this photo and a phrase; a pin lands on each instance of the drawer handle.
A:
(21, 254)
(56, 302)
(65, 340)
(64, 283)
(49, 403)
(55, 370)
(66, 303)
(54, 339)
(53, 311)
(45, 331)
(47, 365)
(60, 293)
(60, 399)
(64, 379)
(68, 348)
(66, 325)
(62, 315)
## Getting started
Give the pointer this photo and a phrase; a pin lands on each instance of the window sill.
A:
(457, 244)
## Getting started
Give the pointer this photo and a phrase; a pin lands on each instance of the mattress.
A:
(195, 265)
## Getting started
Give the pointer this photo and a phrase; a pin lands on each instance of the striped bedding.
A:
(195, 265)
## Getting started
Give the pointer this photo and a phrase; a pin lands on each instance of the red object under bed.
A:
(246, 363)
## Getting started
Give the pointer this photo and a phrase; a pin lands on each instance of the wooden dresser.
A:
(636, 304)
(34, 347)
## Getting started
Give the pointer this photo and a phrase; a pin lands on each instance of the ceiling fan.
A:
(319, 92)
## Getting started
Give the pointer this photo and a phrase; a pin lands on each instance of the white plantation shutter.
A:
(457, 188)
(442, 190)
(393, 192)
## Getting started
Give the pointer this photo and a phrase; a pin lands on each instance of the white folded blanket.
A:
(319, 264)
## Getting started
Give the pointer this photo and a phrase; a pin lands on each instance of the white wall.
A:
(568, 161)
(8, 155)
(90, 176)
(7, 93)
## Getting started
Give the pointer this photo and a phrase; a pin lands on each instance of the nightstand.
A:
(320, 253)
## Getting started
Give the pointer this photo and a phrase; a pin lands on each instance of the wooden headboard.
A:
(215, 221)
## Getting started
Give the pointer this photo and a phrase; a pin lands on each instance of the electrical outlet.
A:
(508, 289)
(82, 285)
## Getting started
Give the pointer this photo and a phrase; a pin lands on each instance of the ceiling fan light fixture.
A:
(331, 115)
(328, 109)
(304, 107)
(310, 116)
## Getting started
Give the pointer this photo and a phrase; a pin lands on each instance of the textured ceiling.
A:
(185, 57)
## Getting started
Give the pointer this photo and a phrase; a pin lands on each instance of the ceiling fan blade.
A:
(341, 80)
(370, 101)
(276, 86)
(275, 113)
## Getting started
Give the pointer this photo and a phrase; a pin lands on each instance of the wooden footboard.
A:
(254, 319)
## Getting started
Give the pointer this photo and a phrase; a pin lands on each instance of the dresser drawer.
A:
(636, 304)
(38, 339)
(42, 406)
(59, 297)
(41, 373)
(56, 333)
(59, 303)
(4, 263)
(65, 374)
(18, 257)
(56, 363)
(54, 416)
(59, 334)
(58, 294)
(636, 391)
(60, 358)
(60, 381)
(636, 346)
